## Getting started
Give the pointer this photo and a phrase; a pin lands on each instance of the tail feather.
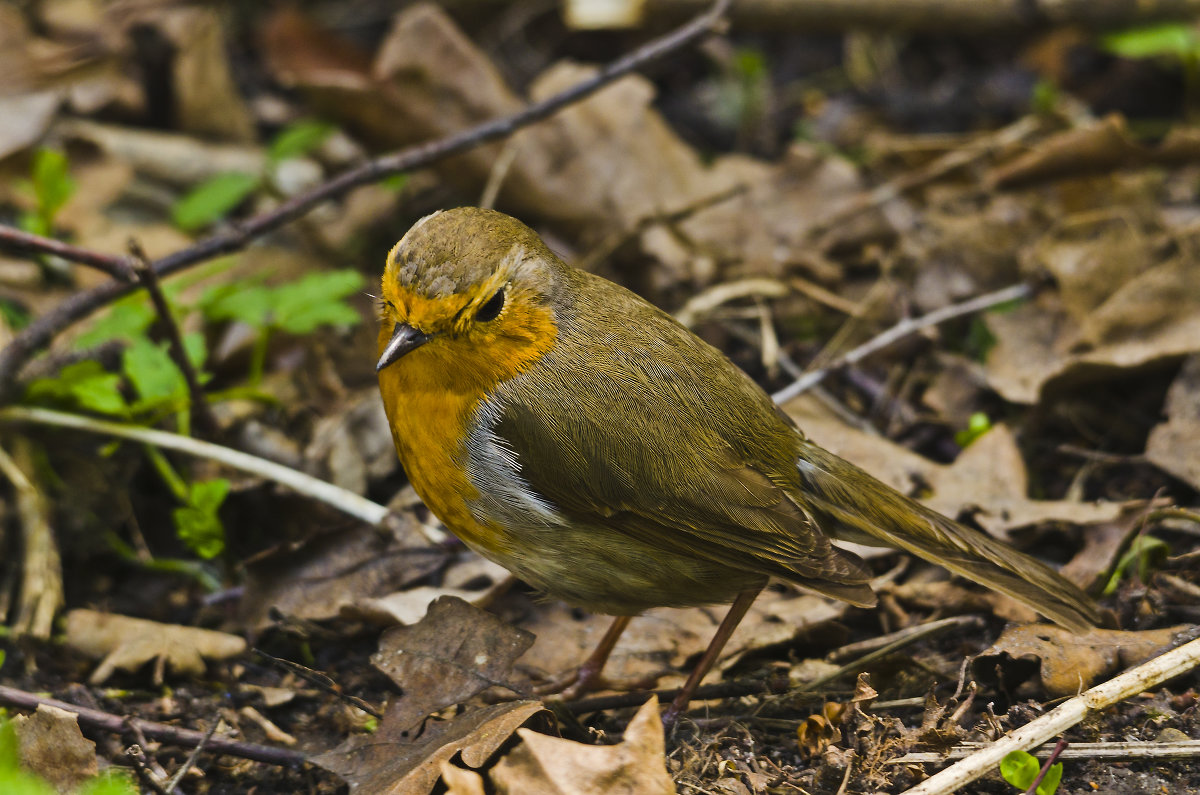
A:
(849, 504)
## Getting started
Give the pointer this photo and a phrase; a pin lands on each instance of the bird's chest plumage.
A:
(470, 477)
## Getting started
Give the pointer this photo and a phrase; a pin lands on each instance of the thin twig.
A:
(41, 592)
(39, 333)
(898, 332)
(141, 766)
(346, 501)
(117, 267)
(202, 414)
(1101, 752)
(1136, 680)
(187, 738)
(320, 681)
(1059, 747)
(190, 762)
(722, 690)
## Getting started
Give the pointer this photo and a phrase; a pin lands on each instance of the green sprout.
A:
(1020, 769)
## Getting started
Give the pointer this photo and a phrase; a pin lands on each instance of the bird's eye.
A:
(491, 310)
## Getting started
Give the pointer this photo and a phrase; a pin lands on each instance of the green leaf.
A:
(110, 782)
(1176, 39)
(152, 372)
(298, 139)
(1051, 781)
(82, 385)
(52, 183)
(316, 300)
(1146, 553)
(1019, 768)
(209, 495)
(213, 199)
(34, 224)
(197, 523)
(977, 426)
(196, 349)
(9, 760)
(249, 304)
(127, 319)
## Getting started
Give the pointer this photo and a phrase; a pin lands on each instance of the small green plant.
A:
(197, 520)
(1171, 41)
(150, 385)
(298, 307)
(1021, 769)
(977, 426)
(216, 197)
(51, 186)
(1145, 556)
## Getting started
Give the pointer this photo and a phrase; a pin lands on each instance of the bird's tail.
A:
(849, 504)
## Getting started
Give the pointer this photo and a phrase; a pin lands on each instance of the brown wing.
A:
(659, 436)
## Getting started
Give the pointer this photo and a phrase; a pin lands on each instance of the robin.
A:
(583, 439)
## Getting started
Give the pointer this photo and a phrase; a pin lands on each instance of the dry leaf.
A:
(454, 652)
(460, 781)
(323, 576)
(471, 578)
(127, 643)
(1039, 346)
(1100, 148)
(407, 760)
(1175, 444)
(50, 745)
(553, 766)
(1068, 663)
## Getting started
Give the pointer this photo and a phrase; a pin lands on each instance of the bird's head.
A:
(469, 288)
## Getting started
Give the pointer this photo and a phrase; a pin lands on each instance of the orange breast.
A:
(432, 396)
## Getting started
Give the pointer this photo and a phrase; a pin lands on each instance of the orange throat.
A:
(432, 397)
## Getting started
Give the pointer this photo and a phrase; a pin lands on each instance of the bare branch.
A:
(39, 333)
(120, 268)
(187, 738)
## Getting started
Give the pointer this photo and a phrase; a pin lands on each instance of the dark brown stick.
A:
(38, 334)
(120, 268)
(1059, 747)
(202, 414)
(159, 731)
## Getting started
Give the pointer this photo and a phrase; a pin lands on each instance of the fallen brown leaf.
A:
(553, 766)
(1172, 445)
(323, 576)
(50, 745)
(125, 643)
(1068, 663)
(403, 759)
(454, 652)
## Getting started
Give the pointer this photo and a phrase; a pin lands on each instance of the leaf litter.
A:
(619, 183)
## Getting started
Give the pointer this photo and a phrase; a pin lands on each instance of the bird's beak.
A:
(405, 338)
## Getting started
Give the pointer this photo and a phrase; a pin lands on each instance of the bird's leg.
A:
(586, 677)
(737, 611)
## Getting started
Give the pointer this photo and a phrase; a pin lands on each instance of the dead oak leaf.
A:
(125, 643)
(402, 759)
(553, 766)
(1068, 663)
(454, 652)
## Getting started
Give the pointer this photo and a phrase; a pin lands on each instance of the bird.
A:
(567, 429)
